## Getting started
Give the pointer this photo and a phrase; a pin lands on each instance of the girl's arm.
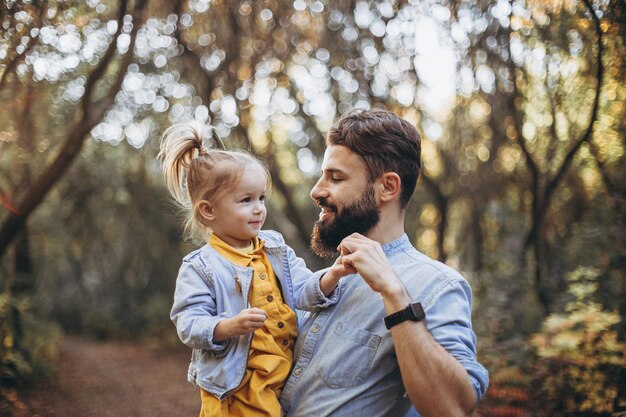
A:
(194, 311)
(330, 279)
(314, 290)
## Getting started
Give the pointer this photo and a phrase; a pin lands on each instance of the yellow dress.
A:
(271, 351)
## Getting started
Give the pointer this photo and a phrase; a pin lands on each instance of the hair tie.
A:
(216, 140)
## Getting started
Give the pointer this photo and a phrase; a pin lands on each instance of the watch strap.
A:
(413, 312)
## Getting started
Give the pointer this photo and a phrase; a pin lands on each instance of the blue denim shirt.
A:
(206, 293)
(344, 359)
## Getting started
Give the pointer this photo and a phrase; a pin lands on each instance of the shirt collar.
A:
(396, 245)
(236, 256)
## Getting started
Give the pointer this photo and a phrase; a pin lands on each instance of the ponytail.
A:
(179, 145)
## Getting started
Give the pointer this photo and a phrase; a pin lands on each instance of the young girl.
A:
(235, 296)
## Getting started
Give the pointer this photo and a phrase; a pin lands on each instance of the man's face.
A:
(347, 200)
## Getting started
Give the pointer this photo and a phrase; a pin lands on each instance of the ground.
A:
(114, 379)
(130, 379)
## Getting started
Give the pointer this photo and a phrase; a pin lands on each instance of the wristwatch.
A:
(413, 312)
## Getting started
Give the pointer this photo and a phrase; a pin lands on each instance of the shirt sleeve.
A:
(448, 318)
(194, 311)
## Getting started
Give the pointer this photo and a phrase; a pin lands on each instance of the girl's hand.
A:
(331, 278)
(341, 269)
(247, 321)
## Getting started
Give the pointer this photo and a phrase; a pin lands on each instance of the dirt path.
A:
(116, 379)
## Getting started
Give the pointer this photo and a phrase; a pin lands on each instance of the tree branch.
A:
(104, 62)
(586, 136)
(75, 139)
(192, 60)
(43, 10)
(519, 139)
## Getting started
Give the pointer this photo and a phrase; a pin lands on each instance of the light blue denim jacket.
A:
(206, 294)
(344, 360)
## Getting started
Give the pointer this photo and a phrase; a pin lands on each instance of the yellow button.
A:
(262, 275)
(315, 328)
(285, 342)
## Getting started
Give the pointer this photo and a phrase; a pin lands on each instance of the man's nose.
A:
(318, 191)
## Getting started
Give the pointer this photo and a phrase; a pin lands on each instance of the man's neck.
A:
(389, 228)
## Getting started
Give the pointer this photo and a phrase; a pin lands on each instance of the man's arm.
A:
(436, 382)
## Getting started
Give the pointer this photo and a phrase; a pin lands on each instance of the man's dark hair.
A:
(386, 142)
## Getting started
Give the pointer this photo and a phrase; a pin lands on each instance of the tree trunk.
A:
(441, 202)
(91, 115)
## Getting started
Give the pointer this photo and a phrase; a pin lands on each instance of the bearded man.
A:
(401, 334)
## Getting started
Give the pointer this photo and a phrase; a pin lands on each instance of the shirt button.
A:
(315, 328)
(270, 298)
(297, 371)
(262, 275)
(280, 324)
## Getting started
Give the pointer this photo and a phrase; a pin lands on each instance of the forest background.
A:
(522, 113)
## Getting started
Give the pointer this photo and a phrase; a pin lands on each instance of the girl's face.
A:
(236, 216)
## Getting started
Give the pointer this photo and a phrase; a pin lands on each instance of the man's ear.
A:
(390, 186)
(206, 211)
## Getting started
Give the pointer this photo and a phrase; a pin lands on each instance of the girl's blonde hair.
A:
(194, 172)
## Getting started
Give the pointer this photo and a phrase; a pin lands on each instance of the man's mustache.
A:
(323, 202)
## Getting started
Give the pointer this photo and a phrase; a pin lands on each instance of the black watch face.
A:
(417, 311)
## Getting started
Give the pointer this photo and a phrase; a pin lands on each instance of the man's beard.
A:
(359, 217)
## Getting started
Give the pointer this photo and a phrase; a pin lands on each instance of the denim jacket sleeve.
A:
(194, 311)
(306, 285)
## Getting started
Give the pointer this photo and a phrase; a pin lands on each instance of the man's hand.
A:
(247, 321)
(366, 256)
(340, 268)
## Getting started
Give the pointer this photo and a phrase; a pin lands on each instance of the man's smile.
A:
(327, 210)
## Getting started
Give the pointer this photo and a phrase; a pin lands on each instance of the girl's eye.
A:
(246, 200)
(262, 198)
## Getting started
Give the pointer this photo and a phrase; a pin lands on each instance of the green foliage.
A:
(111, 273)
(106, 241)
(29, 344)
(581, 362)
